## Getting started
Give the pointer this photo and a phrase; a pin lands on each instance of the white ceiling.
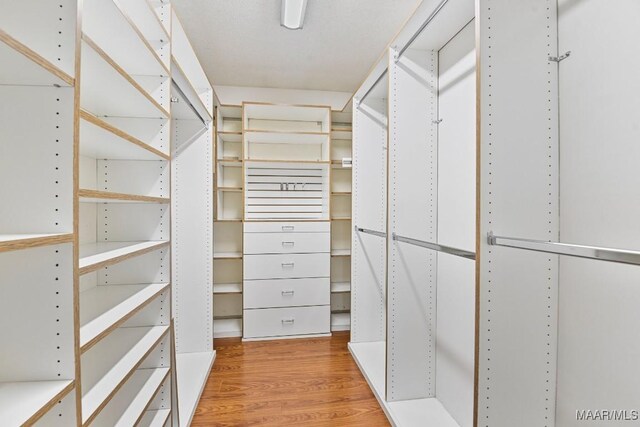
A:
(241, 42)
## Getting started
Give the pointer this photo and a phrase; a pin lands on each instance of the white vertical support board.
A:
(599, 179)
(413, 182)
(519, 197)
(455, 350)
(369, 201)
(192, 235)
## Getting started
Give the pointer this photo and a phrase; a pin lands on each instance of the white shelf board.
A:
(227, 255)
(121, 99)
(20, 401)
(227, 288)
(337, 287)
(95, 254)
(340, 252)
(132, 399)
(100, 392)
(10, 242)
(193, 371)
(230, 163)
(226, 328)
(341, 134)
(107, 142)
(155, 418)
(285, 112)
(258, 137)
(230, 136)
(18, 69)
(103, 307)
(370, 358)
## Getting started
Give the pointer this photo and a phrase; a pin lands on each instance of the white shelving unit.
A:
(38, 375)
(124, 213)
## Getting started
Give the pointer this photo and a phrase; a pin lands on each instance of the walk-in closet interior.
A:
(416, 213)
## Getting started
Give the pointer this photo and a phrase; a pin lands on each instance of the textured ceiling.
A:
(241, 42)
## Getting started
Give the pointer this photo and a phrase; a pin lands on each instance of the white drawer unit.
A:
(286, 266)
(286, 293)
(287, 227)
(282, 322)
(286, 243)
(286, 279)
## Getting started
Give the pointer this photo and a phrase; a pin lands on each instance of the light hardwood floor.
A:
(299, 382)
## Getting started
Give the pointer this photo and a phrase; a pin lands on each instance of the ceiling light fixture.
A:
(292, 16)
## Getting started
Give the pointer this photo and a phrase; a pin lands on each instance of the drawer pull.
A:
(285, 293)
(288, 243)
(287, 264)
(288, 321)
(288, 228)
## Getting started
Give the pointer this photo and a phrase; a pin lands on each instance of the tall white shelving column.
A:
(37, 288)
(192, 222)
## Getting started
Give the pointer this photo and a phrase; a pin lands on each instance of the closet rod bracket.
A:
(560, 58)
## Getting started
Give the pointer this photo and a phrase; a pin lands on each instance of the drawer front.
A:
(287, 227)
(286, 293)
(290, 266)
(279, 322)
(286, 243)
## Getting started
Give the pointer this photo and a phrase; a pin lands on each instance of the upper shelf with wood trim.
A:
(24, 403)
(53, 44)
(94, 256)
(107, 89)
(286, 118)
(97, 196)
(102, 140)
(23, 66)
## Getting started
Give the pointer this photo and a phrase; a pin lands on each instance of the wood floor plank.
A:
(303, 382)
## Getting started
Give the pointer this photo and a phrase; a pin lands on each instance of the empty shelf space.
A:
(340, 321)
(340, 252)
(277, 137)
(340, 311)
(343, 218)
(341, 193)
(320, 162)
(155, 418)
(340, 287)
(16, 242)
(230, 163)
(102, 140)
(98, 196)
(100, 71)
(94, 256)
(227, 255)
(228, 220)
(227, 288)
(23, 403)
(23, 66)
(230, 136)
(95, 398)
(103, 308)
(193, 371)
(129, 405)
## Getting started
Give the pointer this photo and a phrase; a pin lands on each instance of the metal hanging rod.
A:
(422, 27)
(589, 252)
(184, 97)
(434, 246)
(371, 88)
(374, 232)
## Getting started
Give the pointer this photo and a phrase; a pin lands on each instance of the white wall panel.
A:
(413, 181)
(599, 178)
(519, 187)
(456, 294)
(368, 268)
(192, 236)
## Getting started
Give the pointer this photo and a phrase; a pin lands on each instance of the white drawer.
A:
(287, 227)
(286, 292)
(286, 243)
(278, 322)
(290, 266)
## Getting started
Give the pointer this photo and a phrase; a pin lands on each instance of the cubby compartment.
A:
(340, 149)
(117, 29)
(227, 306)
(230, 146)
(37, 362)
(341, 206)
(227, 240)
(229, 205)
(229, 176)
(229, 119)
